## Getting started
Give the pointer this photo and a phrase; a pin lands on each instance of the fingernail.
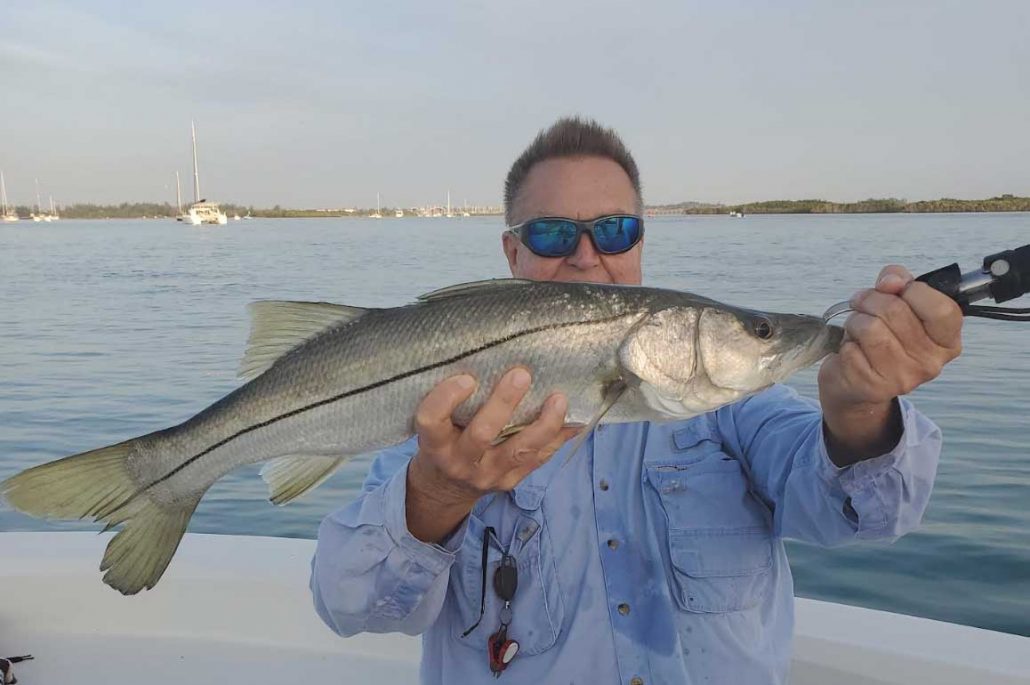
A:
(465, 382)
(890, 280)
(857, 298)
(559, 403)
(519, 378)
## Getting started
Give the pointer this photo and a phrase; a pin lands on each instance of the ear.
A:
(510, 244)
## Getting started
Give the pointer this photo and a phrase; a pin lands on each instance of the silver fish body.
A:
(331, 381)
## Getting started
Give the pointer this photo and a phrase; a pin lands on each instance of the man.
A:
(656, 554)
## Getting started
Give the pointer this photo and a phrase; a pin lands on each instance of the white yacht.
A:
(7, 213)
(202, 211)
(377, 215)
(399, 214)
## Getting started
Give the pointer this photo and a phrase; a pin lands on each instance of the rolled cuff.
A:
(887, 495)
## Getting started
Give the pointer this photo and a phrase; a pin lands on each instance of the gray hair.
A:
(569, 137)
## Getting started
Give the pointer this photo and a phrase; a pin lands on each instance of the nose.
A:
(585, 257)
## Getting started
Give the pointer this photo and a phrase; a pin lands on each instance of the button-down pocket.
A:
(537, 608)
(720, 545)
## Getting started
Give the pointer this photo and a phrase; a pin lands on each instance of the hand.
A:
(454, 467)
(899, 337)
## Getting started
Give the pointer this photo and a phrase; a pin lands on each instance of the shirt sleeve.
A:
(778, 436)
(369, 573)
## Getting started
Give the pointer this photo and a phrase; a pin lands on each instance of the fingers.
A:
(495, 413)
(893, 279)
(939, 314)
(433, 416)
(877, 357)
(529, 446)
(901, 335)
(906, 327)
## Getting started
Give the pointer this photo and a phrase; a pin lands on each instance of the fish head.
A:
(686, 360)
(745, 351)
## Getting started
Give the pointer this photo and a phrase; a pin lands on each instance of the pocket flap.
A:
(696, 431)
(727, 552)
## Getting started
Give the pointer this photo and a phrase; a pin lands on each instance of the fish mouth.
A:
(811, 340)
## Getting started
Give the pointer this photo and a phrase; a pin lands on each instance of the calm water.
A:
(113, 329)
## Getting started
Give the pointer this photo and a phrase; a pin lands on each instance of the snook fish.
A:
(329, 381)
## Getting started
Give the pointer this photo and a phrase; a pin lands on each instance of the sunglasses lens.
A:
(616, 233)
(551, 238)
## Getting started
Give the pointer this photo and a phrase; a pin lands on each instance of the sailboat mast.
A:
(196, 173)
(3, 195)
(377, 203)
(448, 203)
(52, 212)
(178, 196)
(39, 205)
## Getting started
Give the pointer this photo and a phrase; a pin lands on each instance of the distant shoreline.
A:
(1001, 203)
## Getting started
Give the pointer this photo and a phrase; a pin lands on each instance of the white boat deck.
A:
(237, 610)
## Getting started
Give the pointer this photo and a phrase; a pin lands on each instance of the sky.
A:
(324, 104)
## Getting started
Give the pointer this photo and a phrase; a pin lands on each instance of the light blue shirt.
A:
(655, 556)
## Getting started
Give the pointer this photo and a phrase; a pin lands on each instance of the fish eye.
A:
(763, 328)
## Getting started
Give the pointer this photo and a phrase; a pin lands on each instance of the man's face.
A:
(581, 188)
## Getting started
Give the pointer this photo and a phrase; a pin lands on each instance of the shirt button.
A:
(603, 484)
(613, 543)
(636, 680)
(624, 608)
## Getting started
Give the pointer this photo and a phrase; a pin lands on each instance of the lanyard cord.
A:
(487, 532)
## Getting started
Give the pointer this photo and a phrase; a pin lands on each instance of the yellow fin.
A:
(279, 326)
(290, 477)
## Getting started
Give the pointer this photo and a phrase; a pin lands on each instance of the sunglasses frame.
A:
(581, 228)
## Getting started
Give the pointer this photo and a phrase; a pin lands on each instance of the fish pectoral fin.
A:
(279, 326)
(612, 394)
(508, 432)
(290, 477)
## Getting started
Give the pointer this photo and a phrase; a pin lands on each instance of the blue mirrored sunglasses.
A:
(558, 237)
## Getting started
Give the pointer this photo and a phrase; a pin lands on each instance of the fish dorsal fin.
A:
(290, 477)
(277, 326)
(474, 286)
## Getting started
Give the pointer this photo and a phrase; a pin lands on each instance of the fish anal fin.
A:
(290, 477)
(279, 326)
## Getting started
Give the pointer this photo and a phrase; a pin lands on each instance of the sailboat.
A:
(377, 215)
(179, 216)
(202, 211)
(7, 213)
(38, 215)
(448, 214)
(465, 210)
(53, 212)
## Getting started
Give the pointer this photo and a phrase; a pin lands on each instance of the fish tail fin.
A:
(88, 485)
(98, 485)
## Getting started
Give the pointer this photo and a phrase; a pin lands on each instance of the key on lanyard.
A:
(501, 650)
